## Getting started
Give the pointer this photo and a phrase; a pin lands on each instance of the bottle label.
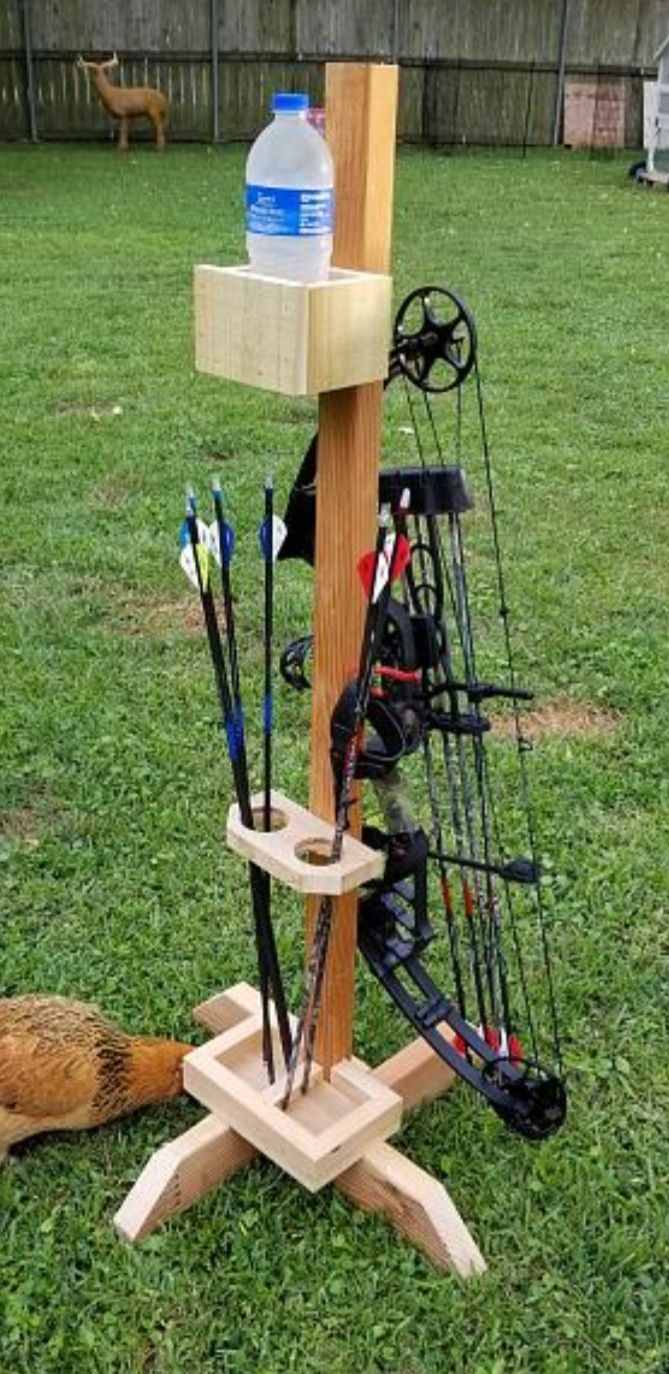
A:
(282, 210)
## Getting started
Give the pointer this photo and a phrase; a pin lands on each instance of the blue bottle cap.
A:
(283, 103)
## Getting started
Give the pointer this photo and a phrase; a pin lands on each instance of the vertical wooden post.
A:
(361, 105)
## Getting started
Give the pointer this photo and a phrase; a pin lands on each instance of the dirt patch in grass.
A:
(112, 494)
(139, 616)
(20, 826)
(212, 459)
(218, 456)
(97, 413)
(563, 718)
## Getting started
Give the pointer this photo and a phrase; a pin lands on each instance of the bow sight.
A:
(426, 702)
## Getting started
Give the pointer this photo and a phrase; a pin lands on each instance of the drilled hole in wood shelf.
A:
(316, 852)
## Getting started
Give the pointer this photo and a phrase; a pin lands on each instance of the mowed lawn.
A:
(115, 886)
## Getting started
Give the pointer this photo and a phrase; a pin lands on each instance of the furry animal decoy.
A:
(128, 102)
(63, 1065)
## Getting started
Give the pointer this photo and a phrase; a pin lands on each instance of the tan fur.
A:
(128, 102)
(63, 1066)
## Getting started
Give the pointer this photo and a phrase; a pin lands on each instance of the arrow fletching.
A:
(402, 557)
(202, 534)
(187, 562)
(395, 555)
(368, 562)
(366, 566)
(221, 534)
(272, 535)
(215, 532)
(187, 555)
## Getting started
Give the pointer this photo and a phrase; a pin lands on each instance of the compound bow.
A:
(429, 700)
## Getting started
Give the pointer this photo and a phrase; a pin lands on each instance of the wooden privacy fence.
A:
(472, 71)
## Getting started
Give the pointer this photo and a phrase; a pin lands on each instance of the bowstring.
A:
(489, 812)
(521, 741)
(480, 907)
(488, 912)
(457, 787)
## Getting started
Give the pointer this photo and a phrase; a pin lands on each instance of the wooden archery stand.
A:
(337, 1131)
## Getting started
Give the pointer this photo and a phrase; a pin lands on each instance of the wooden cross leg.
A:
(380, 1180)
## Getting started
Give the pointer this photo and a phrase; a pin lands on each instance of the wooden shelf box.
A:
(291, 337)
(320, 1134)
(296, 850)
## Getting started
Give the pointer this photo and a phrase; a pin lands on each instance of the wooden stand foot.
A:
(180, 1173)
(416, 1204)
(417, 1073)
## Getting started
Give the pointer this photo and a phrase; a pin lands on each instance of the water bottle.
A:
(289, 196)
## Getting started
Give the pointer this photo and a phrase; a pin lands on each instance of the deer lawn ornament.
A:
(128, 102)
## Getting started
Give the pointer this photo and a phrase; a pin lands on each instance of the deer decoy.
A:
(128, 102)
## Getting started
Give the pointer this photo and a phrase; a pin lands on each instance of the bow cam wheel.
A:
(434, 340)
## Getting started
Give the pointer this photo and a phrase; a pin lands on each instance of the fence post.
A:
(562, 59)
(213, 26)
(28, 62)
(395, 33)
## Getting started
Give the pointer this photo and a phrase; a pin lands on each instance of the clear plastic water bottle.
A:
(289, 196)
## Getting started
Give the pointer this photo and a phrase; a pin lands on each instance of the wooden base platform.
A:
(380, 1179)
(321, 1132)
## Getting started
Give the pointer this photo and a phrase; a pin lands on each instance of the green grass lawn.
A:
(113, 787)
